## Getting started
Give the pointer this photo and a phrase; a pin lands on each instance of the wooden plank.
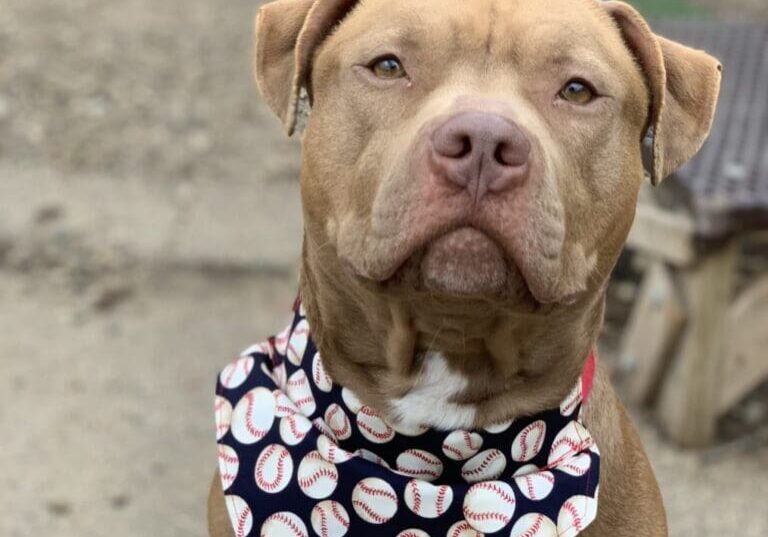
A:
(665, 235)
(688, 402)
(746, 358)
(655, 324)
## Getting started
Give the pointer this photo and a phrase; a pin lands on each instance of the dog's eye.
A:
(577, 92)
(387, 67)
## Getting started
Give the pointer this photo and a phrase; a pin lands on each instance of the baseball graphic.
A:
(235, 373)
(374, 500)
(488, 464)
(419, 463)
(320, 375)
(573, 439)
(489, 506)
(463, 529)
(461, 445)
(283, 405)
(534, 525)
(329, 519)
(497, 428)
(229, 464)
(240, 515)
(413, 532)
(317, 477)
(294, 428)
(321, 426)
(573, 400)
(253, 416)
(534, 483)
(529, 441)
(577, 513)
(223, 411)
(370, 456)
(338, 421)
(283, 524)
(426, 499)
(274, 468)
(331, 452)
(281, 341)
(576, 466)
(297, 343)
(373, 427)
(351, 400)
(300, 392)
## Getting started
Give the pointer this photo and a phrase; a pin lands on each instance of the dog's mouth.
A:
(463, 262)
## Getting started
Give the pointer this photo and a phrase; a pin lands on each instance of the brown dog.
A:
(470, 174)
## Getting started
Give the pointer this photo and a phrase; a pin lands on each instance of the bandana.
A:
(300, 455)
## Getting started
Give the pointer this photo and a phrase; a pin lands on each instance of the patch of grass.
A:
(670, 8)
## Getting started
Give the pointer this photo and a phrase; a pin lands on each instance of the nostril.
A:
(498, 155)
(515, 154)
(466, 147)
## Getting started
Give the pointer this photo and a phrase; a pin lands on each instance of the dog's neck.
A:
(447, 363)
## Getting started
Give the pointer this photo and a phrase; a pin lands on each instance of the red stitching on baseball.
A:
(486, 462)
(416, 496)
(297, 380)
(229, 459)
(369, 511)
(472, 515)
(240, 530)
(316, 476)
(367, 411)
(377, 492)
(460, 528)
(441, 494)
(453, 450)
(498, 490)
(342, 431)
(304, 401)
(267, 485)
(339, 515)
(571, 509)
(281, 517)
(534, 528)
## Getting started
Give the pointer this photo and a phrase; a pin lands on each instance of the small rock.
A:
(59, 508)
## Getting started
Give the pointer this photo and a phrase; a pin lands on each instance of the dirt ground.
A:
(149, 230)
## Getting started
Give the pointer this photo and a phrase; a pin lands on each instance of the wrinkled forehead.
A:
(508, 30)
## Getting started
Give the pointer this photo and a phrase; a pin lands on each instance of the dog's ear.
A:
(684, 85)
(286, 36)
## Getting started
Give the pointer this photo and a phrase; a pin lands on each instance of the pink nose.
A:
(481, 152)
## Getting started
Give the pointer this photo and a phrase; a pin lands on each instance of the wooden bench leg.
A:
(689, 400)
(658, 316)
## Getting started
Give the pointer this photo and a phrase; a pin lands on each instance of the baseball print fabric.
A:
(300, 456)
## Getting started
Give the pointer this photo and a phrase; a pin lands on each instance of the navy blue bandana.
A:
(300, 456)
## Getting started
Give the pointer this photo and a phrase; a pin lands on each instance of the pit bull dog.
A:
(470, 175)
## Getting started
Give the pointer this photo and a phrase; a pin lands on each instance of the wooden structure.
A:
(695, 346)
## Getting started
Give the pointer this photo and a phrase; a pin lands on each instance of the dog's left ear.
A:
(684, 85)
(287, 34)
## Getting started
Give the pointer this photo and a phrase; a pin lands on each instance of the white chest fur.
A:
(430, 400)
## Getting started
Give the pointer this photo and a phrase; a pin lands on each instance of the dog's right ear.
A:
(287, 34)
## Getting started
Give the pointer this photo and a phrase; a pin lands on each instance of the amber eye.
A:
(577, 92)
(387, 67)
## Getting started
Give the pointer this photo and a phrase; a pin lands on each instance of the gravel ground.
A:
(148, 204)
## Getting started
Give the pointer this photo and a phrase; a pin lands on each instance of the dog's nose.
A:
(481, 152)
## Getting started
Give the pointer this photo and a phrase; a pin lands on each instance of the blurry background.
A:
(150, 229)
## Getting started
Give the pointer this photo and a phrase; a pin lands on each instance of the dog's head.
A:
(484, 154)
(491, 147)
